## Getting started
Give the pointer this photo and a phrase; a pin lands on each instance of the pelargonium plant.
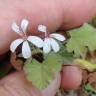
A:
(42, 61)
(21, 30)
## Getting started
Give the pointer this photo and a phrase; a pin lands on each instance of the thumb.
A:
(17, 85)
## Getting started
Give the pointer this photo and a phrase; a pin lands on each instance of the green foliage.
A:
(66, 56)
(41, 74)
(2, 74)
(90, 89)
(82, 39)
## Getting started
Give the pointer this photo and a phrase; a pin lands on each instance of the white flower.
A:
(49, 41)
(21, 30)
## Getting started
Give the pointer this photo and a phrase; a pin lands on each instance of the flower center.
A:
(47, 34)
(24, 38)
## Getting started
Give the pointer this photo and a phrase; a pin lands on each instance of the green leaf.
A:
(82, 39)
(41, 74)
(67, 57)
(89, 87)
(2, 74)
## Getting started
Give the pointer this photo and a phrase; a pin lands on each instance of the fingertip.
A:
(77, 12)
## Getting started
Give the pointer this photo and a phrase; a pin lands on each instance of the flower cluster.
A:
(49, 40)
(47, 44)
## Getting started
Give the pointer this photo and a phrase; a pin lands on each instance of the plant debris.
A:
(17, 63)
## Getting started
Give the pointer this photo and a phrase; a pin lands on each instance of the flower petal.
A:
(15, 44)
(46, 46)
(55, 46)
(26, 51)
(24, 25)
(15, 28)
(37, 41)
(58, 36)
(42, 28)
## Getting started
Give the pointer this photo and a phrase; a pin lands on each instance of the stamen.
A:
(23, 34)
(47, 34)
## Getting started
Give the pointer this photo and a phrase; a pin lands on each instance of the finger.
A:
(77, 12)
(54, 14)
(71, 77)
(16, 84)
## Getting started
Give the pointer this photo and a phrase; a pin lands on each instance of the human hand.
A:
(55, 14)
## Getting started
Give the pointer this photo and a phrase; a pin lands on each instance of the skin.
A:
(55, 14)
(75, 81)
